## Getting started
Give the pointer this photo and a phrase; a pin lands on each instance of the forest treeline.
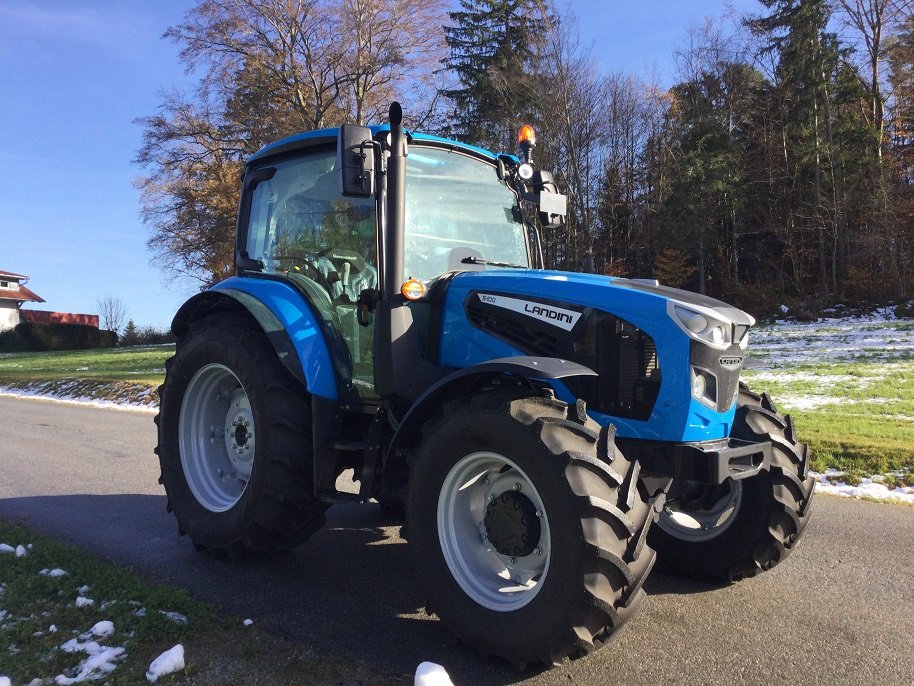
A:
(777, 169)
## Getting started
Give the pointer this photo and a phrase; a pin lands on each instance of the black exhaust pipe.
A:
(396, 206)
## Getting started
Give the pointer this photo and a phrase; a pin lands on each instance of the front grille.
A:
(626, 360)
(623, 356)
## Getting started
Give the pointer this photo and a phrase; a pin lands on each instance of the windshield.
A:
(456, 207)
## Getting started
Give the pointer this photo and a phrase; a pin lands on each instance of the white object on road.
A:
(431, 674)
(169, 662)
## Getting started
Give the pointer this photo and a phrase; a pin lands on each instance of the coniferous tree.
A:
(807, 63)
(494, 46)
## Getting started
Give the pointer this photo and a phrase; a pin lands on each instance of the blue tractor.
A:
(543, 432)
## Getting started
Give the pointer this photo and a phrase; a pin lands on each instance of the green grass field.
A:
(140, 364)
(849, 386)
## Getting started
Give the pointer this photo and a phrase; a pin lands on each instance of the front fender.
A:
(470, 380)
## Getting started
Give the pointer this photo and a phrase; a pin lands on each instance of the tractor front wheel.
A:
(527, 527)
(740, 528)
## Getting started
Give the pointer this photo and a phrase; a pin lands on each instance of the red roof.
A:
(10, 275)
(21, 295)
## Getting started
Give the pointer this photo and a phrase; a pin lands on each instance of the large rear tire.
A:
(745, 527)
(527, 527)
(235, 442)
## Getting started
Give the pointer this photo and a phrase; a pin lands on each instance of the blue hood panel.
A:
(676, 415)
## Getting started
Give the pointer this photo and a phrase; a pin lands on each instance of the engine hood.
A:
(608, 293)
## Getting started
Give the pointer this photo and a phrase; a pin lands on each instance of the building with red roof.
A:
(14, 294)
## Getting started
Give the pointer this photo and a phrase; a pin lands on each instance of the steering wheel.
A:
(310, 270)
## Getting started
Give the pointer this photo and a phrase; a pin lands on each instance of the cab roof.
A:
(323, 136)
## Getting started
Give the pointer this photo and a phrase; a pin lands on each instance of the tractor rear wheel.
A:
(235, 442)
(527, 527)
(740, 528)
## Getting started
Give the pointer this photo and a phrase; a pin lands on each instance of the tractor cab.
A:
(319, 209)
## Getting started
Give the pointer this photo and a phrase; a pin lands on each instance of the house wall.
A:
(9, 314)
(45, 317)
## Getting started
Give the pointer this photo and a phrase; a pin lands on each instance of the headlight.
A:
(702, 326)
(704, 387)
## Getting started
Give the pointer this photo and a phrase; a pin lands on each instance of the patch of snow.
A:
(9, 392)
(879, 335)
(176, 617)
(804, 402)
(169, 662)
(52, 629)
(21, 551)
(4, 681)
(57, 571)
(83, 601)
(101, 661)
(6, 548)
(102, 629)
(248, 622)
(869, 488)
(431, 674)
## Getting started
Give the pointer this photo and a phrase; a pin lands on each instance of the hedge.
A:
(35, 337)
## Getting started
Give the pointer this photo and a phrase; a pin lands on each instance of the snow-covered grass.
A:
(848, 382)
(134, 632)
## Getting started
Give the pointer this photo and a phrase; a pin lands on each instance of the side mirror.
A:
(553, 206)
(355, 158)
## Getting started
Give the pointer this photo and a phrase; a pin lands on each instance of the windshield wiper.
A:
(492, 263)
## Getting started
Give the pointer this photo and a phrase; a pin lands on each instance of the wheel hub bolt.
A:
(538, 551)
(516, 487)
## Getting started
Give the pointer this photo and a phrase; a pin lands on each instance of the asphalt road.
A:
(838, 611)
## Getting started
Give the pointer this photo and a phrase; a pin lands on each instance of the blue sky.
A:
(75, 76)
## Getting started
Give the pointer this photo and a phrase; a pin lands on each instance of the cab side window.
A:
(301, 224)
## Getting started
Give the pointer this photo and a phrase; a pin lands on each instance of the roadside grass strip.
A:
(144, 365)
(67, 617)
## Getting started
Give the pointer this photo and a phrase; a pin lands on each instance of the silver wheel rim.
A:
(699, 524)
(497, 581)
(216, 437)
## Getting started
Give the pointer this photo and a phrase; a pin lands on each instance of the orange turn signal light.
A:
(413, 289)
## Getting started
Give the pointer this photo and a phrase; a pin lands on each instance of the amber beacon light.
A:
(527, 135)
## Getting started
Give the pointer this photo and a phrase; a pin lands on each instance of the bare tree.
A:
(388, 44)
(112, 311)
(573, 98)
(270, 68)
(872, 20)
